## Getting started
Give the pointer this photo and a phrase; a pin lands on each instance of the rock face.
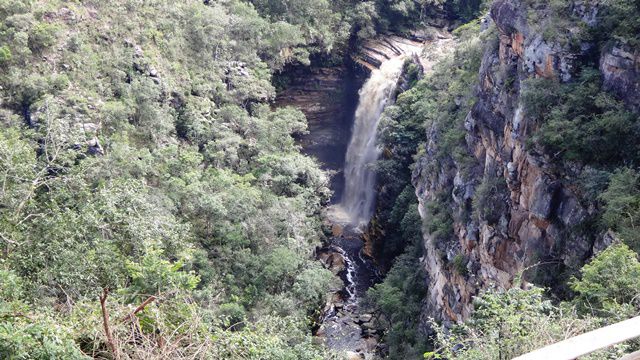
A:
(328, 97)
(539, 229)
(620, 67)
(375, 51)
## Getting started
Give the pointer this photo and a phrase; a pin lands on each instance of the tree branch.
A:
(139, 308)
(105, 322)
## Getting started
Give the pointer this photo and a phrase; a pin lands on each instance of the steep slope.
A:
(515, 207)
(142, 166)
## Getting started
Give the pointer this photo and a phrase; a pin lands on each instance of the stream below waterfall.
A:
(345, 327)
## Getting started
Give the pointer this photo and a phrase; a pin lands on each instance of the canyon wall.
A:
(539, 223)
(328, 97)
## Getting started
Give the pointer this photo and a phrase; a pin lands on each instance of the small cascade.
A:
(350, 273)
(344, 326)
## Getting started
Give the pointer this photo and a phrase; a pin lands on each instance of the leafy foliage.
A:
(581, 122)
(139, 158)
(621, 19)
(609, 285)
(398, 299)
(490, 198)
(622, 205)
(509, 323)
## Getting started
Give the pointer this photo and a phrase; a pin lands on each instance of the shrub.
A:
(37, 339)
(439, 220)
(459, 264)
(398, 298)
(622, 206)
(509, 323)
(581, 122)
(609, 285)
(11, 286)
(42, 36)
(5, 54)
(490, 199)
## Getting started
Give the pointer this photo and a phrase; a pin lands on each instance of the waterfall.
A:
(344, 325)
(359, 195)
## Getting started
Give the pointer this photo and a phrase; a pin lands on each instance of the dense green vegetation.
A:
(581, 122)
(398, 301)
(329, 24)
(154, 205)
(139, 162)
(141, 165)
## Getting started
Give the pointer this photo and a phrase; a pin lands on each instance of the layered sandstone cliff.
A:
(539, 228)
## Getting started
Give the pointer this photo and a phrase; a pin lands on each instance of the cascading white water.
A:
(342, 324)
(359, 194)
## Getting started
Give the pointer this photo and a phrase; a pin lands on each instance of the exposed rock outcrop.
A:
(421, 45)
(620, 67)
(328, 97)
(376, 51)
(539, 230)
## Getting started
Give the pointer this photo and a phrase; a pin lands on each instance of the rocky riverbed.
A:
(347, 324)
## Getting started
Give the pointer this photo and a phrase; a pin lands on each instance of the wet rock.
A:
(365, 318)
(332, 260)
(371, 343)
(337, 229)
(376, 51)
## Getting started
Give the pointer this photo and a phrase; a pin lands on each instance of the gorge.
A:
(346, 325)
(315, 179)
(496, 209)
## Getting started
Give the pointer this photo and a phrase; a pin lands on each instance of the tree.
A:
(610, 284)
(508, 323)
(622, 206)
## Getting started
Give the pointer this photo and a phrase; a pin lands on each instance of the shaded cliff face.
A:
(536, 224)
(328, 96)
(620, 67)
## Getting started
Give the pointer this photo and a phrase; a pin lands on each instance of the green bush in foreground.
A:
(508, 323)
